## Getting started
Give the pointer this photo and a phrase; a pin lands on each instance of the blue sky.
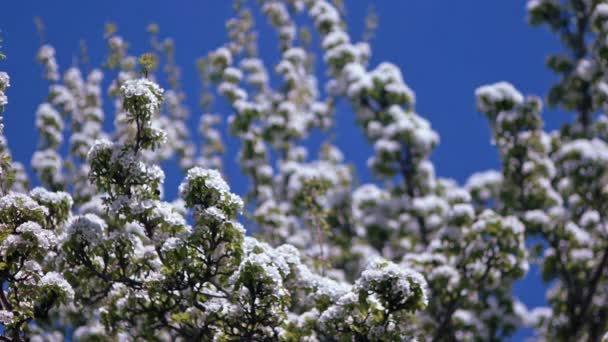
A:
(445, 49)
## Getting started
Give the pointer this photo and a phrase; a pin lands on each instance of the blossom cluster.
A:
(100, 250)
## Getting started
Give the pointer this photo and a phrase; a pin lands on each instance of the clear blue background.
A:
(445, 49)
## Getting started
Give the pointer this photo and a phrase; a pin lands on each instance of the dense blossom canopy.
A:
(97, 251)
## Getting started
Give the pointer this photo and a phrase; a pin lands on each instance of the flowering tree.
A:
(97, 251)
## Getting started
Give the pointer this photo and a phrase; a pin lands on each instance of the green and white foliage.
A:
(5, 157)
(555, 182)
(32, 225)
(99, 251)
